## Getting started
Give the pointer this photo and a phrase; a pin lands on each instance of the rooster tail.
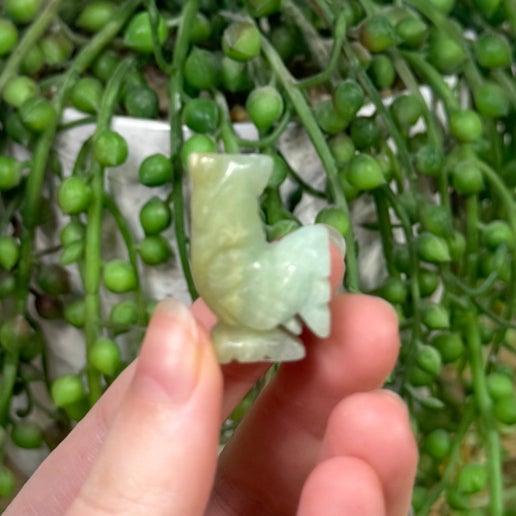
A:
(315, 313)
(307, 252)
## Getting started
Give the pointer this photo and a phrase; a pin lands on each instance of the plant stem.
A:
(82, 159)
(39, 162)
(44, 144)
(40, 156)
(385, 227)
(473, 76)
(125, 232)
(154, 17)
(93, 251)
(375, 98)
(455, 455)
(435, 16)
(30, 38)
(414, 274)
(317, 138)
(76, 123)
(176, 136)
(509, 205)
(496, 158)
(7, 381)
(227, 134)
(471, 292)
(472, 220)
(271, 138)
(308, 188)
(484, 405)
(406, 75)
(411, 83)
(339, 33)
(434, 79)
(507, 83)
(510, 12)
(316, 46)
(9, 209)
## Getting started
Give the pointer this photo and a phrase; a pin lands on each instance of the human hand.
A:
(321, 439)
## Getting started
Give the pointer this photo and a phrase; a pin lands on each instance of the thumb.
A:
(159, 456)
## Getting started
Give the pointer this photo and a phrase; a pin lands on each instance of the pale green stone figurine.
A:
(260, 291)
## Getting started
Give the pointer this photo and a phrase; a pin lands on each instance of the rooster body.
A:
(259, 290)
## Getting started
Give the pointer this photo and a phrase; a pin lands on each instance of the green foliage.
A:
(437, 179)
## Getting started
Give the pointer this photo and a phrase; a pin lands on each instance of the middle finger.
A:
(263, 468)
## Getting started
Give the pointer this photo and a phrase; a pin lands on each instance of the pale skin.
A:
(323, 438)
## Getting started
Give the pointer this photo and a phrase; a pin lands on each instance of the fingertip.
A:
(338, 267)
(365, 330)
(177, 355)
(375, 428)
(384, 309)
(203, 314)
(342, 486)
(373, 306)
(336, 239)
(381, 413)
(373, 410)
(169, 362)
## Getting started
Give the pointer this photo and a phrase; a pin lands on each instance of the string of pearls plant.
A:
(409, 107)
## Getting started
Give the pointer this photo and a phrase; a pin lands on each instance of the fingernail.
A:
(336, 239)
(168, 365)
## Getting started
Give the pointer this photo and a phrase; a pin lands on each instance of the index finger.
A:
(277, 444)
